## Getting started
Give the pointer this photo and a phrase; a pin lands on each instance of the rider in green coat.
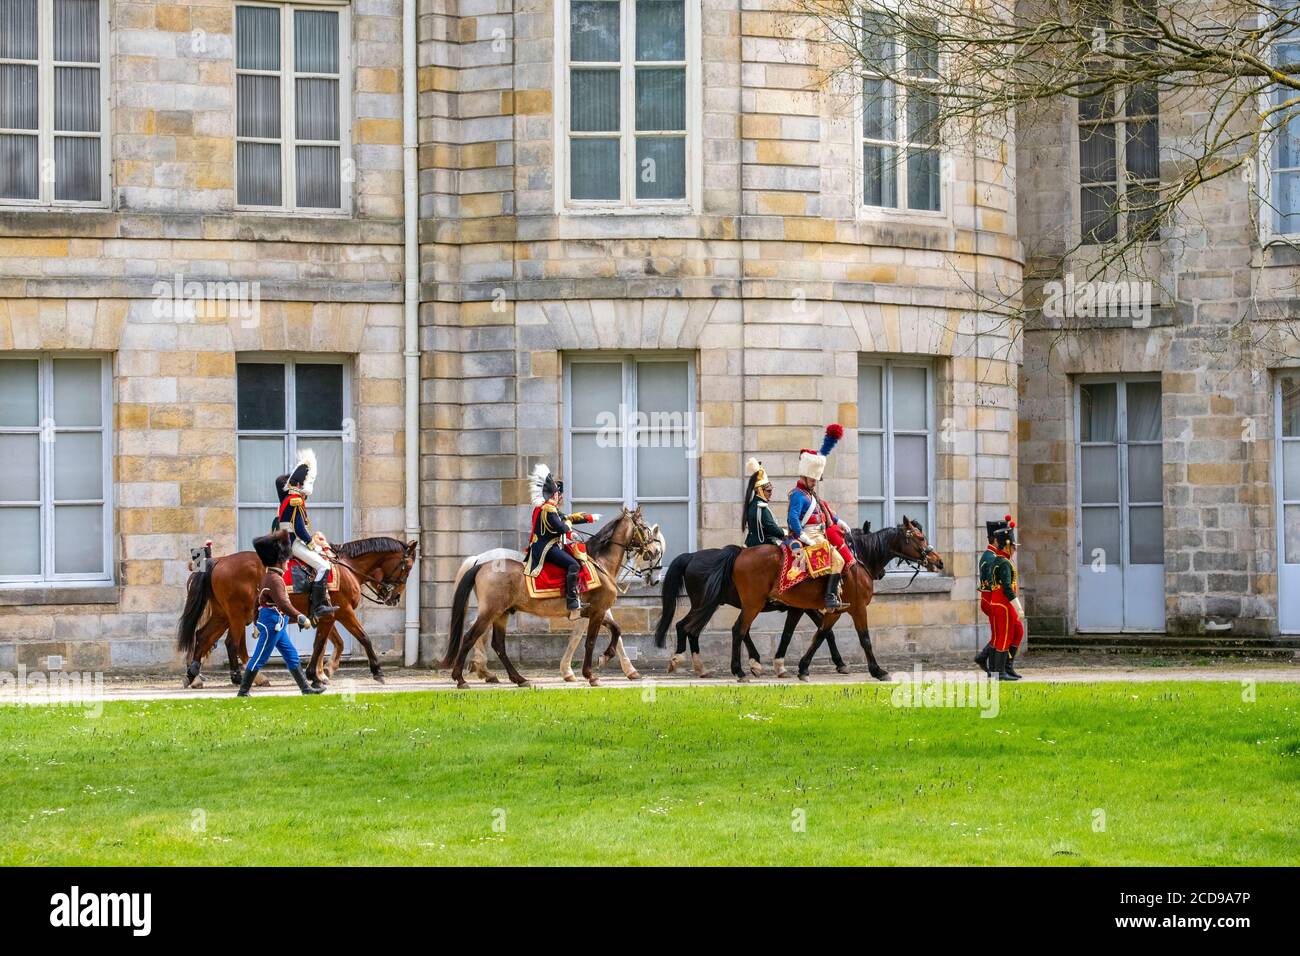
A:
(760, 525)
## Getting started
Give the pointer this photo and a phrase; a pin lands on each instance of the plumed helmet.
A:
(755, 470)
(812, 464)
(303, 476)
(542, 485)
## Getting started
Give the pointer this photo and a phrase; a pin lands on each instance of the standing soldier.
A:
(549, 535)
(999, 601)
(760, 526)
(294, 489)
(810, 517)
(274, 611)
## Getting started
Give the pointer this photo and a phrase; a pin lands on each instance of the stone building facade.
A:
(627, 208)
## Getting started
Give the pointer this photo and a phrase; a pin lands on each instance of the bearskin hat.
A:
(812, 464)
(273, 549)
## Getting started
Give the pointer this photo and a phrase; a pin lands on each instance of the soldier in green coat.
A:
(760, 525)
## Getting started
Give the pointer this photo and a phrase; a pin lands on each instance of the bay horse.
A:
(500, 590)
(222, 600)
(692, 570)
(755, 572)
(645, 566)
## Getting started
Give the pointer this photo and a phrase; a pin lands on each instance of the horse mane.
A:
(874, 549)
(355, 549)
(599, 541)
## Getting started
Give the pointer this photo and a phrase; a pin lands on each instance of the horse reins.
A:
(381, 590)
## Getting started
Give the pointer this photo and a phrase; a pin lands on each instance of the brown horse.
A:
(500, 589)
(756, 571)
(224, 599)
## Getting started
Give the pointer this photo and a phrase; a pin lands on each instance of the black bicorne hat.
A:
(273, 549)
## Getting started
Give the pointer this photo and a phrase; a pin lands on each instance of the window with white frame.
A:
(283, 405)
(55, 468)
(895, 442)
(901, 154)
(629, 73)
(291, 107)
(630, 439)
(53, 102)
(1284, 179)
(1119, 146)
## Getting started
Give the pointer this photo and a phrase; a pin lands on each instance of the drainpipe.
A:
(411, 340)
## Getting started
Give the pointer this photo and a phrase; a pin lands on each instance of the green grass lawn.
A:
(1184, 773)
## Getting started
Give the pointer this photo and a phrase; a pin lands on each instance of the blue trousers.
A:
(273, 634)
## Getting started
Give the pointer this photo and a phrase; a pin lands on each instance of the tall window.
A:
(1285, 182)
(53, 102)
(629, 79)
(900, 127)
(630, 439)
(54, 468)
(895, 443)
(291, 111)
(1119, 148)
(285, 405)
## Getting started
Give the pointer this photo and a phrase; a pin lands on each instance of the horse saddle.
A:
(549, 581)
(810, 561)
(298, 577)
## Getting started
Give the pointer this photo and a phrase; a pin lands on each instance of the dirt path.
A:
(352, 681)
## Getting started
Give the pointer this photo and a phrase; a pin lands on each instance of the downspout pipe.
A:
(411, 305)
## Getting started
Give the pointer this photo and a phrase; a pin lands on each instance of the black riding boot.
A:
(301, 680)
(1011, 657)
(833, 602)
(320, 605)
(247, 683)
(1000, 670)
(571, 591)
(982, 658)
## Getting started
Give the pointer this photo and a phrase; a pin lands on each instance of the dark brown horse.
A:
(756, 571)
(222, 600)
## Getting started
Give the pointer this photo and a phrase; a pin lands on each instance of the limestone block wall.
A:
(774, 282)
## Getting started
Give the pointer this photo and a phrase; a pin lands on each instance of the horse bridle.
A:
(634, 547)
(917, 564)
(383, 591)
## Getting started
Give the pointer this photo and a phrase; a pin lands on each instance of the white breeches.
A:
(314, 558)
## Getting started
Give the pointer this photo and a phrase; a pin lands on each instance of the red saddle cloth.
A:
(309, 571)
(800, 564)
(550, 580)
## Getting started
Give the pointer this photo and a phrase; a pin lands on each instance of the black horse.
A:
(693, 569)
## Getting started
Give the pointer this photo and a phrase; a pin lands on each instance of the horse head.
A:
(913, 546)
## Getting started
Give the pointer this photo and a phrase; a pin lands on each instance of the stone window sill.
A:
(30, 595)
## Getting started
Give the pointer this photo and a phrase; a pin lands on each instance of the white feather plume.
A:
(535, 482)
(308, 457)
(752, 465)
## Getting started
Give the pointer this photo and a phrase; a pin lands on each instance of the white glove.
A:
(1020, 608)
(594, 517)
(304, 622)
(803, 536)
(844, 525)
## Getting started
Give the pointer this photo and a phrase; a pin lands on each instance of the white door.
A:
(1287, 475)
(1119, 463)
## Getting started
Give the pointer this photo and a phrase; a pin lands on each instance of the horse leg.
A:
(499, 645)
(481, 624)
(836, 659)
(204, 640)
(347, 616)
(593, 628)
(478, 662)
(566, 662)
(740, 631)
(792, 618)
(331, 667)
(755, 659)
(675, 660)
(876, 671)
(697, 659)
(806, 660)
(236, 671)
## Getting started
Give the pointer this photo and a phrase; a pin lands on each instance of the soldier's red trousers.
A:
(835, 535)
(1008, 629)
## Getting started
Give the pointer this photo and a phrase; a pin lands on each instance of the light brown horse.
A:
(756, 571)
(500, 590)
(222, 600)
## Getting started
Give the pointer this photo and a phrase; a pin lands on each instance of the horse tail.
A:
(465, 579)
(672, 588)
(715, 588)
(198, 594)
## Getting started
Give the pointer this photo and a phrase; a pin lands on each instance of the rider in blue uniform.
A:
(293, 489)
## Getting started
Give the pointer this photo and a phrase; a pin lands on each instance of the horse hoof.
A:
(704, 675)
(196, 684)
(236, 679)
(756, 668)
(462, 684)
(742, 678)
(379, 678)
(842, 669)
(803, 676)
(880, 675)
(672, 665)
(570, 678)
(594, 680)
(633, 676)
(781, 673)
(493, 679)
